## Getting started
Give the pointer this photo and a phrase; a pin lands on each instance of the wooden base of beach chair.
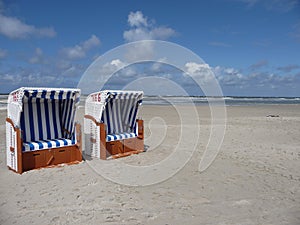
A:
(120, 155)
(117, 149)
(50, 157)
(47, 157)
(120, 148)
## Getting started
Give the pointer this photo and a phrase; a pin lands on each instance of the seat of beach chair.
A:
(46, 144)
(120, 136)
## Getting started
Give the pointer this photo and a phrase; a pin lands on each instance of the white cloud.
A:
(118, 63)
(45, 32)
(140, 51)
(118, 69)
(258, 65)
(194, 68)
(156, 66)
(127, 73)
(137, 19)
(113, 66)
(143, 29)
(8, 77)
(79, 51)
(12, 27)
(136, 34)
(229, 76)
(38, 57)
(3, 53)
(200, 72)
(273, 5)
(233, 82)
(162, 33)
(47, 76)
(76, 52)
(111, 75)
(93, 41)
(288, 68)
(63, 64)
(73, 71)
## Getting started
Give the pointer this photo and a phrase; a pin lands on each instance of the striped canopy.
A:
(117, 109)
(18, 95)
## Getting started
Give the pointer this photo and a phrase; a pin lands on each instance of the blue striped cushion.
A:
(122, 136)
(45, 144)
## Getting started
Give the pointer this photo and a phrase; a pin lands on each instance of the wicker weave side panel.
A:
(92, 138)
(95, 108)
(11, 147)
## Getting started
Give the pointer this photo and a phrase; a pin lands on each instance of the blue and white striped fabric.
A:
(43, 144)
(120, 114)
(68, 116)
(116, 137)
(47, 119)
(50, 94)
(40, 119)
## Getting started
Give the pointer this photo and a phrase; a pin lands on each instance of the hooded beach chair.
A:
(40, 128)
(110, 124)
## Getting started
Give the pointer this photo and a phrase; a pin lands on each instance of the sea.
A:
(3, 101)
(229, 101)
(202, 100)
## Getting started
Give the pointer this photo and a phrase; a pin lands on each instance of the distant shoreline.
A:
(198, 96)
(202, 100)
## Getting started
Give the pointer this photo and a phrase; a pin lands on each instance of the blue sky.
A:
(252, 46)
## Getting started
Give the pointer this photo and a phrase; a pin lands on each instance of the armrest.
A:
(9, 120)
(92, 119)
(140, 128)
(102, 136)
(78, 135)
(18, 147)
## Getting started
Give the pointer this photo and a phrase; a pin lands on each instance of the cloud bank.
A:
(79, 51)
(14, 28)
(66, 67)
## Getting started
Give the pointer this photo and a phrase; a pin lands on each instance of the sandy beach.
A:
(255, 178)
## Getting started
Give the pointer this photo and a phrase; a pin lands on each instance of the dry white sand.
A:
(255, 178)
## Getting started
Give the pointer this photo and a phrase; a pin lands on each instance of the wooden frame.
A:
(119, 148)
(47, 157)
